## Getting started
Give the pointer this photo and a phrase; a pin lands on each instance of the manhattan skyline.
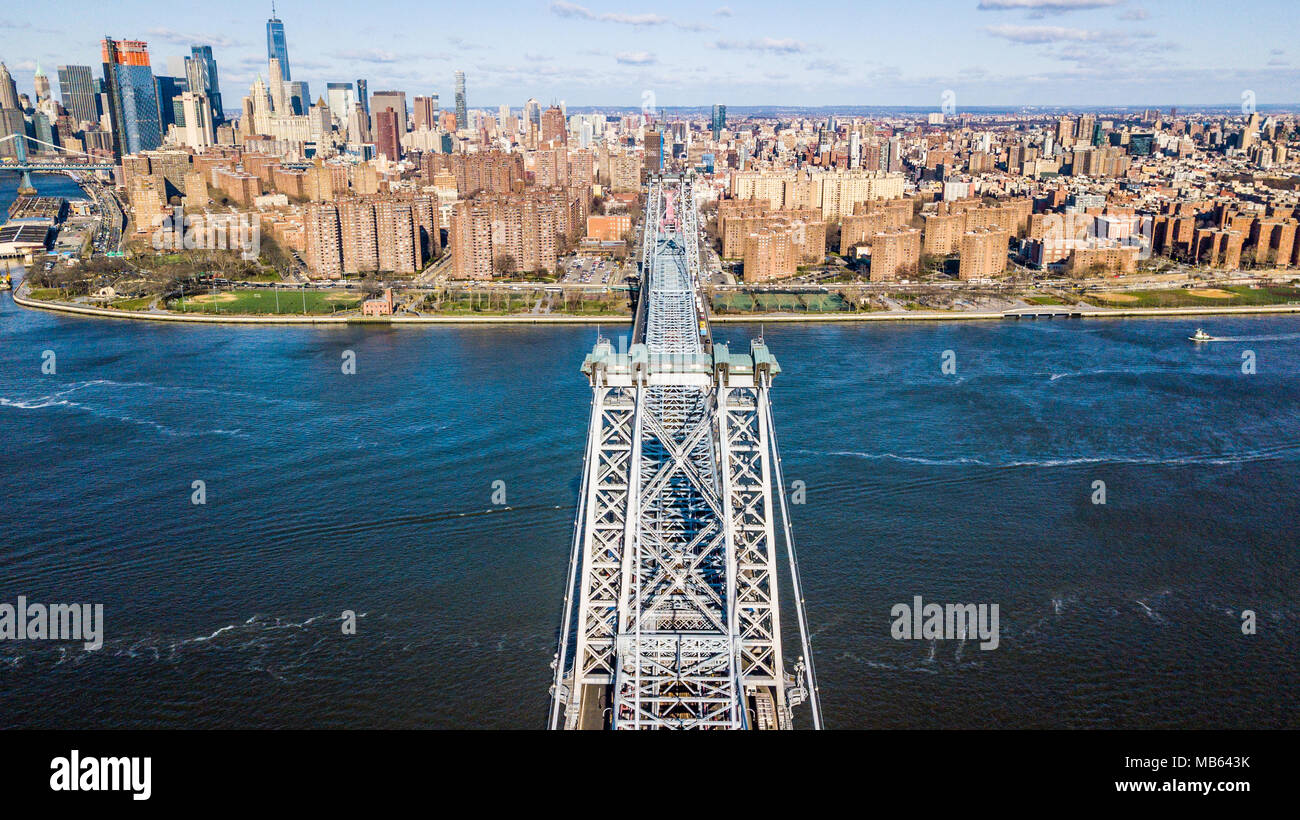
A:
(988, 52)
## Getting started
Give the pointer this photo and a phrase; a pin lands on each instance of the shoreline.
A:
(1019, 314)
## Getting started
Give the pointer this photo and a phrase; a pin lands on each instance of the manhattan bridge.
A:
(672, 616)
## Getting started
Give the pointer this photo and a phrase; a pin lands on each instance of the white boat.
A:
(1201, 336)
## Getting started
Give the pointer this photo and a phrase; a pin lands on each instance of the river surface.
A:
(46, 185)
(372, 493)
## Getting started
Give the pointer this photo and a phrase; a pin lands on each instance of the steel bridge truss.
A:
(676, 622)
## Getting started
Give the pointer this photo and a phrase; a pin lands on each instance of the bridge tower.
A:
(25, 186)
(74, 161)
(672, 614)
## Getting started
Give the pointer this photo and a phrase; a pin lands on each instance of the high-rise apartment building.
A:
(769, 254)
(624, 172)
(871, 218)
(323, 240)
(382, 100)
(132, 96)
(366, 235)
(77, 90)
(719, 120)
(397, 236)
(462, 110)
(653, 160)
(553, 125)
(386, 135)
(276, 44)
(501, 234)
(360, 251)
(895, 254)
(496, 172)
(983, 253)
(425, 113)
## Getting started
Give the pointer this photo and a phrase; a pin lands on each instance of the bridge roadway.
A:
(672, 614)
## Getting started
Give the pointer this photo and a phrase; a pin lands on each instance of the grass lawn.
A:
(318, 302)
(45, 294)
(132, 304)
(514, 303)
(1197, 297)
(1044, 300)
(500, 304)
(264, 276)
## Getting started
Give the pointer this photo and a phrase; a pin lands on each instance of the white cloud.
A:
(1044, 34)
(565, 9)
(167, 35)
(1046, 5)
(635, 57)
(372, 55)
(765, 44)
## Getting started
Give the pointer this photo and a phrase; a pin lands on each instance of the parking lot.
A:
(587, 270)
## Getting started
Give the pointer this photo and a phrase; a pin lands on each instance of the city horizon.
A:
(400, 366)
(1072, 54)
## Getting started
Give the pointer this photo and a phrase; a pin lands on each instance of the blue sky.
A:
(741, 52)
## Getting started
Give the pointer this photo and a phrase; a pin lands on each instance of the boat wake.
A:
(1281, 337)
(1267, 454)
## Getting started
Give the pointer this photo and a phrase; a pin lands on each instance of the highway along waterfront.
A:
(372, 493)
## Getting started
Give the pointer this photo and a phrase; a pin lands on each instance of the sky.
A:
(1086, 53)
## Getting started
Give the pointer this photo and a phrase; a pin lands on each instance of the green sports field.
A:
(312, 302)
(1195, 297)
(779, 302)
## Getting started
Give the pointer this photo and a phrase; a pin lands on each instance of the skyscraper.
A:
(299, 94)
(41, 84)
(363, 97)
(195, 123)
(553, 127)
(202, 75)
(132, 96)
(383, 100)
(339, 97)
(462, 112)
(276, 45)
(653, 161)
(8, 91)
(169, 89)
(386, 135)
(77, 90)
(279, 92)
(719, 120)
(426, 113)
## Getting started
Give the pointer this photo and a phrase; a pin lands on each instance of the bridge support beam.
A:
(674, 564)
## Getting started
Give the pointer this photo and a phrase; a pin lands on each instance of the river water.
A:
(371, 493)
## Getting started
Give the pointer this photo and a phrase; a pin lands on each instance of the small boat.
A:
(1201, 336)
